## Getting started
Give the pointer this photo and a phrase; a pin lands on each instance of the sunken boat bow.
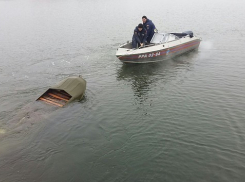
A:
(66, 91)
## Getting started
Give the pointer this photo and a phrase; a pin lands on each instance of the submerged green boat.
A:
(66, 91)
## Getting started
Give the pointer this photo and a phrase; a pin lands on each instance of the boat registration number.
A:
(149, 55)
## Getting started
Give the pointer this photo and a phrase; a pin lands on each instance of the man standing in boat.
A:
(150, 28)
(139, 36)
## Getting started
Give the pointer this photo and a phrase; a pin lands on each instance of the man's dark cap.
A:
(140, 25)
(144, 17)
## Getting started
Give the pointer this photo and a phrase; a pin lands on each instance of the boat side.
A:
(158, 52)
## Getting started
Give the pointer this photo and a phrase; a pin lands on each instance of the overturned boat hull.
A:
(159, 49)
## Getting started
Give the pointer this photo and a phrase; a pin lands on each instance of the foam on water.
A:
(2, 131)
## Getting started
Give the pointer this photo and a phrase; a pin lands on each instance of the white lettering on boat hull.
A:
(150, 55)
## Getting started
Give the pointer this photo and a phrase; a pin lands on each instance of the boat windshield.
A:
(160, 38)
(171, 38)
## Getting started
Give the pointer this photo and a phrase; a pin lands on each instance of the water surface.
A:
(177, 120)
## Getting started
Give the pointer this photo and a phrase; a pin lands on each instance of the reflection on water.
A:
(143, 77)
(140, 76)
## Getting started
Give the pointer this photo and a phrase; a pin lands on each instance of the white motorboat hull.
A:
(158, 52)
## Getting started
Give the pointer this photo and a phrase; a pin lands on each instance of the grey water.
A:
(177, 120)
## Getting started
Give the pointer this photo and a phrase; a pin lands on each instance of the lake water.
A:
(177, 120)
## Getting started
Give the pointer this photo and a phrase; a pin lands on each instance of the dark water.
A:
(178, 120)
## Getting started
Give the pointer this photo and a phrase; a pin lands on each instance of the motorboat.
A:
(161, 47)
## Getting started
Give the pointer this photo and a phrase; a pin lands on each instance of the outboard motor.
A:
(190, 33)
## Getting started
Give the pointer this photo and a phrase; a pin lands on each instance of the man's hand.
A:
(141, 44)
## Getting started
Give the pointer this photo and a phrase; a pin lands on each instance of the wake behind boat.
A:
(162, 46)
